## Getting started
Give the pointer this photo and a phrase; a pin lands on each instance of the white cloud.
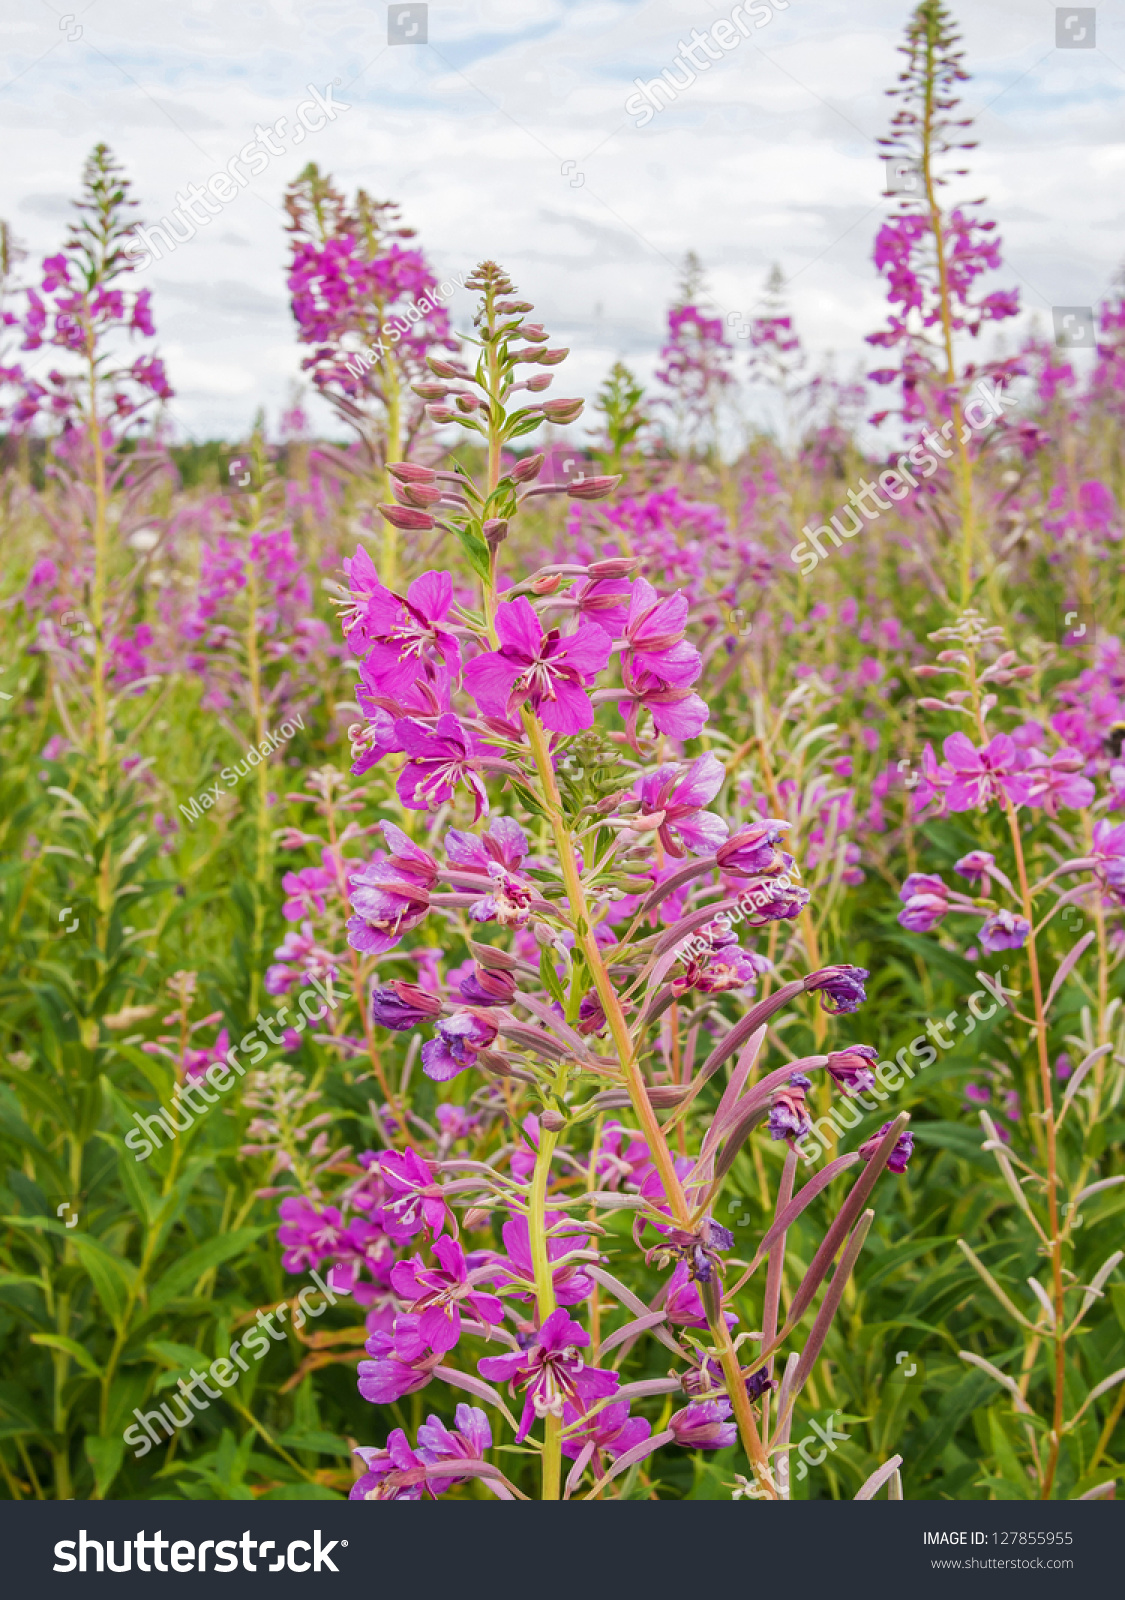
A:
(769, 156)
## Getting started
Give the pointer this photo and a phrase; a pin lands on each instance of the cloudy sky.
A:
(506, 134)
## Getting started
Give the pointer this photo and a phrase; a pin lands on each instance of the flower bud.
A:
(417, 494)
(442, 413)
(562, 411)
(400, 1005)
(487, 986)
(544, 380)
(411, 472)
(547, 584)
(612, 567)
(468, 402)
(533, 332)
(647, 824)
(592, 488)
(508, 308)
(530, 467)
(851, 1067)
(552, 1121)
(445, 369)
(430, 391)
(495, 531)
(406, 518)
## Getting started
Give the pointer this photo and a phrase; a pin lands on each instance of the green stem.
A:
(607, 994)
(545, 1298)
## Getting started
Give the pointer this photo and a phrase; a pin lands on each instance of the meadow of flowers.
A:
(559, 953)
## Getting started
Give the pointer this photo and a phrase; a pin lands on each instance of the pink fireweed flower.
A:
(676, 711)
(308, 1236)
(437, 760)
(618, 1162)
(651, 1187)
(926, 902)
(459, 1040)
(551, 1373)
(503, 842)
(680, 796)
(196, 1062)
(1109, 857)
(789, 1117)
(305, 891)
(487, 986)
(550, 671)
(704, 1427)
(591, 1014)
(684, 1304)
(604, 601)
(468, 1441)
(658, 666)
(509, 904)
(654, 637)
(899, 1156)
(840, 987)
(752, 850)
(572, 1283)
(724, 966)
(383, 1464)
(398, 635)
(391, 894)
(401, 1363)
(497, 855)
(437, 1294)
(979, 777)
(1058, 782)
(415, 1197)
(1004, 930)
(851, 1068)
(400, 1005)
(977, 865)
(612, 1431)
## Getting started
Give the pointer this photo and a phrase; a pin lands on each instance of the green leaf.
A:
(198, 1261)
(325, 1444)
(104, 1455)
(476, 550)
(71, 1347)
(550, 978)
(301, 1491)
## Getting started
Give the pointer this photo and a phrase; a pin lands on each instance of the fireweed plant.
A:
(529, 706)
(195, 973)
(1002, 778)
(932, 257)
